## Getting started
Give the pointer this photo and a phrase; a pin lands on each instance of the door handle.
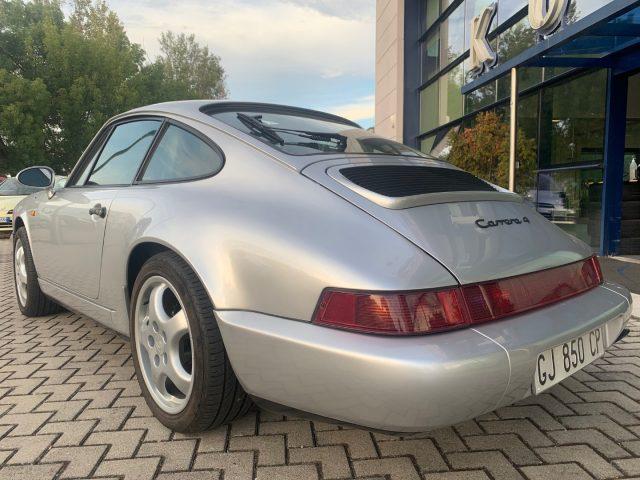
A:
(98, 210)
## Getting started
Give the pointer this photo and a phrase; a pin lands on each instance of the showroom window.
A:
(527, 161)
(508, 8)
(429, 107)
(431, 56)
(431, 12)
(515, 40)
(572, 199)
(452, 36)
(572, 128)
(450, 96)
(181, 155)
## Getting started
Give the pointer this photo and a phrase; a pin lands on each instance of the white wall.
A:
(389, 68)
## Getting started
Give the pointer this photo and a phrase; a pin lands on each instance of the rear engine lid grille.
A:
(409, 180)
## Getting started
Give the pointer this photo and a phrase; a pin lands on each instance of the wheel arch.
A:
(17, 224)
(141, 253)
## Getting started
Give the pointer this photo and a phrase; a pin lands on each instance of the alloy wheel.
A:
(20, 268)
(163, 344)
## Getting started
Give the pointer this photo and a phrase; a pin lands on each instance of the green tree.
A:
(483, 150)
(192, 66)
(24, 109)
(63, 78)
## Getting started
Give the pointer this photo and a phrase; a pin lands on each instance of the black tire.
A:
(217, 397)
(37, 303)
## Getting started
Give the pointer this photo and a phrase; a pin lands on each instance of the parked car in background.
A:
(11, 192)
(285, 256)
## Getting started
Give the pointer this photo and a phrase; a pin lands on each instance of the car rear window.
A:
(305, 132)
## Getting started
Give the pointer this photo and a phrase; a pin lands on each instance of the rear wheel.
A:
(31, 301)
(179, 357)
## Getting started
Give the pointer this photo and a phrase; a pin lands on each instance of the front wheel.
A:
(179, 357)
(31, 300)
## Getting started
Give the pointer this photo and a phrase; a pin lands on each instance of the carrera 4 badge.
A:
(482, 223)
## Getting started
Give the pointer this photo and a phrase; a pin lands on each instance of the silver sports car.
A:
(287, 257)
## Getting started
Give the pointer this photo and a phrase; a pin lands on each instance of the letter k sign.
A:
(482, 55)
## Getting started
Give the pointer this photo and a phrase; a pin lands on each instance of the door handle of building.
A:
(98, 210)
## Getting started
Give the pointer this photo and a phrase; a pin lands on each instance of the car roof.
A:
(191, 108)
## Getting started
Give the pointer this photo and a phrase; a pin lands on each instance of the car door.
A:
(68, 229)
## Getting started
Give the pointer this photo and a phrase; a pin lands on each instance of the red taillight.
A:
(392, 313)
(412, 313)
(510, 296)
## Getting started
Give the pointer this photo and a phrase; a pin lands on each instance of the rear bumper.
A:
(412, 383)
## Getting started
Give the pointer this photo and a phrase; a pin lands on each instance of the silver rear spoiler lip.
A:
(400, 203)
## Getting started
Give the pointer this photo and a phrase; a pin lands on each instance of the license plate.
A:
(5, 219)
(562, 361)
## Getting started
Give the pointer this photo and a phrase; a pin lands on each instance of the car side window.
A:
(123, 153)
(182, 155)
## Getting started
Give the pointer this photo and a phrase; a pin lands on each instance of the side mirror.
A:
(38, 177)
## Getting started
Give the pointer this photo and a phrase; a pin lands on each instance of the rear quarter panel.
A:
(261, 237)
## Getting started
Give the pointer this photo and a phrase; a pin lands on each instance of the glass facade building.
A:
(577, 107)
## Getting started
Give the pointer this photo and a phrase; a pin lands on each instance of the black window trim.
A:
(154, 145)
(213, 108)
(93, 152)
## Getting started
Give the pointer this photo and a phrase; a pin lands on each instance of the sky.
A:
(311, 53)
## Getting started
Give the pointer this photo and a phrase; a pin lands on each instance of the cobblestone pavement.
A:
(70, 407)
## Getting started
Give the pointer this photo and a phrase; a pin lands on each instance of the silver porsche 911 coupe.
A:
(287, 257)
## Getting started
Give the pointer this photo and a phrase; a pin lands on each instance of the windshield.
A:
(303, 134)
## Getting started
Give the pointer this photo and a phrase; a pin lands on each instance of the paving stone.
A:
(122, 444)
(424, 452)
(358, 442)
(71, 407)
(129, 469)
(209, 475)
(177, 454)
(525, 429)
(288, 472)
(270, 448)
(297, 432)
(245, 425)
(581, 454)
(72, 433)
(494, 462)
(26, 449)
(79, 461)
(400, 468)
(331, 459)
(564, 471)
(30, 472)
(509, 444)
(465, 475)
(236, 466)
(593, 438)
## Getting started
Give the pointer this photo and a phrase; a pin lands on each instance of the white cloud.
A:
(310, 52)
(359, 110)
(340, 8)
